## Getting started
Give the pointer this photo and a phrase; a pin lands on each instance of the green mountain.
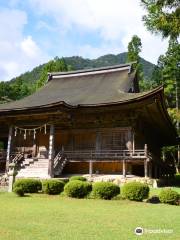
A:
(77, 63)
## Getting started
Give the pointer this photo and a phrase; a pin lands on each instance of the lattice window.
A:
(114, 140)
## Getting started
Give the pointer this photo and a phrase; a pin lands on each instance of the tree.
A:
(5, 90)
(19, 89)
(163, 16)
(168, 72)
(134, 49)
(55, 65)
(14, 90)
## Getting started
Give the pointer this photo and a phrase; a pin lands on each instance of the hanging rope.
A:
(29, 130)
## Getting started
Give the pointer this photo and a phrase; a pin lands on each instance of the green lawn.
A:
(53, 217)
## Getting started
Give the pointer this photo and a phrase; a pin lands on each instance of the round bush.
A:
(169, 196)
(135, 191)
(105, 190)
(80, 178)
(77, 189)
(28, 185)
(19, 191)
(52, 186)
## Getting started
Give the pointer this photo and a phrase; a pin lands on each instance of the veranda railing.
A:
(106, 154)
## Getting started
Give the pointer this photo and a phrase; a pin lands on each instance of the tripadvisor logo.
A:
(138, 231)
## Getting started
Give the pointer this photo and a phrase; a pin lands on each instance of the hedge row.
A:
(78, 187)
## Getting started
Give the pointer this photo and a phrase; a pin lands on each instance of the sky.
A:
(34, 31)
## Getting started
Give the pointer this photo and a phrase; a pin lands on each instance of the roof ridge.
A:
(92, 70)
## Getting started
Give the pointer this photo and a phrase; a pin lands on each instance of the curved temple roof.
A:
(115, 85)
(86, 87)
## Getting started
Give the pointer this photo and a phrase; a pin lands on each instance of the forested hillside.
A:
(29, 82)
(77, 63)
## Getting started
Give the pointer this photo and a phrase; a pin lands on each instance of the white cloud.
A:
(94, 52)
(30, 48)
(44, 25)
(116, 21)
(18, 53)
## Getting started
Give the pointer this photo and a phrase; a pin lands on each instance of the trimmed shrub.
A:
(80, 178)
(169, 196)
(135, 191)
(52, 186)
(19, 191)
(105, 190)
(77, 189)
(28, 185)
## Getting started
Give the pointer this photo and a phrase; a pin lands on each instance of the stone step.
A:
(34, 170)
(36, 166)
(34, 176)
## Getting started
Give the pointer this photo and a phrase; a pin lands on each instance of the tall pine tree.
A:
(134, 49)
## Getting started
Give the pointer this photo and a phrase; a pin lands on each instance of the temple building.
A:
(88, 122)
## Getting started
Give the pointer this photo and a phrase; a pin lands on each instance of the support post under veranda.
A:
(124, 168)
(51, 150)
(9, 147)
(146, 161)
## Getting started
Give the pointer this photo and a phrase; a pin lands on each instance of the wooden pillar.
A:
(150, 169)
(51, 151)
(124, 168)
(129, 141)
(98, 141)
(145, 150)
(146, 168)
(9, 147)
(90, 167)
(146, 161)
(97, 149)
(133, 142)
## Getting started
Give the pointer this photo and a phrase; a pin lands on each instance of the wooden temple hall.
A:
(87, 122)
